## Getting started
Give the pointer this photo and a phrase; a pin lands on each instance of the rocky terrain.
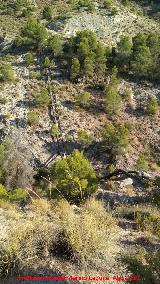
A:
(127, 182)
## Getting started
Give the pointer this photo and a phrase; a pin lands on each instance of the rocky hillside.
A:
(80, 139)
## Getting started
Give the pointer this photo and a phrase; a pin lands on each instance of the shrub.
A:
(83, 100)
(147, 218)
(75, 69)
(18, 195)
(34, 75)
(145, 264)
(28, 242)
(56, 46)
(84, 138)
(112, 98)
(47, 13)
(155, 195)
(29, 59)
(115, 138)
(91, 234)
(42, 99)
(152, 106)
(54, 130)
(34, 35)
(107, 4)
(3, 192)
(141, 163)
(33, 118)
(73, 177)
(6, 73)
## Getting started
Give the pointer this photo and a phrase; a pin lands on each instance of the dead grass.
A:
(91, 234)
(89, 237)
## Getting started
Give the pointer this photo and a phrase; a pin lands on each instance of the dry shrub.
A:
(47, 231)
(146, 217)
(30, 239)
(91, 234)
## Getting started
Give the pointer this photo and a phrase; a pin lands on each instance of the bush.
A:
(54, 130)
(29, 59)
(84, 138)
(147, 218)
(73, 177)
(107, 4)
(13, 195)
(6, 73)
(91, 234)
(33, 118)
(152, 106)
(28, 242)
(145, 264)
(155, 194)
(47, 13)
(3, 192)
(56, 46)
(34, 75)
(141, 163)
(83, 100)
(42, 99)
(34, 35)
(112, 98)
(88, 237)
(18, 195)
(115, 139)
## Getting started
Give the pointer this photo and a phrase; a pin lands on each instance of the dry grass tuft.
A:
(91, 234)
(46, 231)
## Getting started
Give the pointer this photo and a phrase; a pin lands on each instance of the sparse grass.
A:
(147, 218)
(144, 264)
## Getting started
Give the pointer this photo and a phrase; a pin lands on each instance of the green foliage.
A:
(152, 106)
(115, 138)
(47, 13)
(6, 73)
(107, 4)
(4, 152)
(88, 67)
(34, 35)
(56, 46)
(145, 264)
(48, 63)
(85, 56)
(3, 192)
(29, 59)
(139, 56)
(75, 69)
(13, 195)
(73, 176)
(100, 59)
(34, 75)
(155, 194)
(141, 163)
(141, 61)
(84, 138)
(83, 100)
(112, 98)
(86, 3)
(146, 217)
(124, 51)
(54, 130)
(42, 99)
(33, 118)
(17, 195)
